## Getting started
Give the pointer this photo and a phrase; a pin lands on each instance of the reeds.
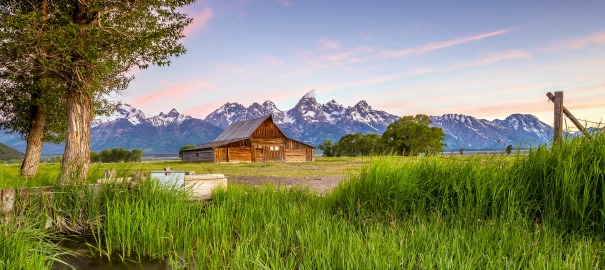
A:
(543, 210)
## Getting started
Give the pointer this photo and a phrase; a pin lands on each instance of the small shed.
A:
(255, 140)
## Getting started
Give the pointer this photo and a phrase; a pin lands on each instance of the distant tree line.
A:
(117, 155)
(408, 136)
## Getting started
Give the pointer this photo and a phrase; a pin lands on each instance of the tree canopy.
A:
(412, 135)
(409, 136)
(86, 48)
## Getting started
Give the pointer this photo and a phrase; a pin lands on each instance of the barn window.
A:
(197, 154)
(277, 148)
(271, 148)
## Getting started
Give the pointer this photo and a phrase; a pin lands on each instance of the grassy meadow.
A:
(543, 210)
(48, 173)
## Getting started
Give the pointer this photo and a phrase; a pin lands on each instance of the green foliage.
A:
(326, 147)
(509, 149)
(540, 211)
(66, 56)
(408, 136)
(185, 147)
(116, 155)
(9, 153)
(412, 135)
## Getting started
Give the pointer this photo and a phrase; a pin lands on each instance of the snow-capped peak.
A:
(171, 117)
(310, 94)
(122, 111)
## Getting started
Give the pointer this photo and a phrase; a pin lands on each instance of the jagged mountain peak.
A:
(310, 95)
(122, 111)
(363, 105)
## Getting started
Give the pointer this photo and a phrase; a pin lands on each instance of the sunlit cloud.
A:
(200, 21)
(285, 2)
(579, 43)
(351, 84)
(327, 45)
(171, 93)
(496, 58)
(204, 110)
(441, 45)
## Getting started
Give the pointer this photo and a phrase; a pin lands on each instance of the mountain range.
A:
(309, 121)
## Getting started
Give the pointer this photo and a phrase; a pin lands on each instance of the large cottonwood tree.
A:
(412, 135)
(30, 100)
(90, 46)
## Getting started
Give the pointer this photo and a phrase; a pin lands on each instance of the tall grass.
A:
(563, 184)
(544, 210)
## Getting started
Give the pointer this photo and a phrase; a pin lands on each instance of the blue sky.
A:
(486, 59)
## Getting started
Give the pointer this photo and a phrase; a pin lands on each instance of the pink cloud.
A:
(171, 92)
(496, 58)
(205, 109)
(580, 42)
(200, 21)
(443, 44)
(327, 44)
(285, 2)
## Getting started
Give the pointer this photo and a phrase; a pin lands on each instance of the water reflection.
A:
(82, 258)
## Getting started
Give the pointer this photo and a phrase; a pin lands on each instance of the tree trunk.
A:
(35, 136)
(29, 167)
(76, 158)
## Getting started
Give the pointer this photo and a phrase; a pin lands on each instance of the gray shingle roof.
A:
(241, 129)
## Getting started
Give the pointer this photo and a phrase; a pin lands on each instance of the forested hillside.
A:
(8, 153)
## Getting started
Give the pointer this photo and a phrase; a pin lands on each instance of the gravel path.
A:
(320, 184)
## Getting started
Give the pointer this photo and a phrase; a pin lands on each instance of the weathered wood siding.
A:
(298, 152)
(296, 155)
(240, 154)
(267, 129)
(205, 155)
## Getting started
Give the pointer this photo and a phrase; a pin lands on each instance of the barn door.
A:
(259, 155)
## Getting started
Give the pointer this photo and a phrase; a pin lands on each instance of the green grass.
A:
(544, 210)
(48, 173)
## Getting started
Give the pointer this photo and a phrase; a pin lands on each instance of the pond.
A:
(84, 259)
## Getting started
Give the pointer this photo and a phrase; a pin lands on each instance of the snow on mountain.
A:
(309, 120)
(130, 128)
(171, 117)
(122, 111)
(519, 130)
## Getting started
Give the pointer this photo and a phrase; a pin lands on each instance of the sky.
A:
(486, 59)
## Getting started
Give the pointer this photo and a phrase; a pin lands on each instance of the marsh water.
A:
(83, 258)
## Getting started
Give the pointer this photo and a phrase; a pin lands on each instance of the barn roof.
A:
(242, 129)
(238, 131)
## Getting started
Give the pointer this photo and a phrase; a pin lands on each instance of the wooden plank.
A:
(558, 112)
(239, 154)
(570, 116)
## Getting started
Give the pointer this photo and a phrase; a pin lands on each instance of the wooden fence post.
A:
(569, 115)
(558, 127)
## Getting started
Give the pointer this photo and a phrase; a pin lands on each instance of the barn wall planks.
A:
(267, 129)
(296, 155)
(206, 155)
(240, 154)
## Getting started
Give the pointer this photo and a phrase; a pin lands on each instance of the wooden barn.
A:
(256, 140)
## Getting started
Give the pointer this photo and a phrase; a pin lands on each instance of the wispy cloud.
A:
(495, 58)
(441, 45)
(579, 42)
(285, 2)
(171, 93)
(200, 21)
(327, 45)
